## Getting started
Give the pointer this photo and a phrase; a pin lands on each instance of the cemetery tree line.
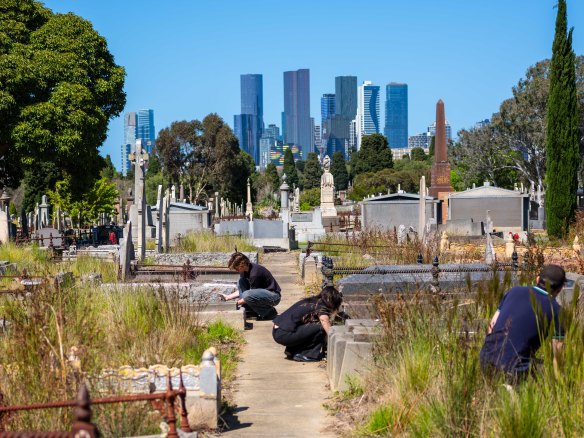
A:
(204, 156)
(59, 87)
(513, 145)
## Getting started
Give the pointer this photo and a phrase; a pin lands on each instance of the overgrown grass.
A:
(210, 242)
(426, 379)
(107, 329)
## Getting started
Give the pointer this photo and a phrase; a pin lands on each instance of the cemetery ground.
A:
(424, 379)
(53, 339)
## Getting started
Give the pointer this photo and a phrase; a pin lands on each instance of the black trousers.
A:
(308, 340)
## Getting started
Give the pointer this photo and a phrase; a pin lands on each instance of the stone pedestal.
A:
(327, 191)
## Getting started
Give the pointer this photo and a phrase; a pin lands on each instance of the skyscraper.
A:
(367, 111)
(327, 106)
(346, 96)
(137, 125)
(268, 142)
(396, 115)
(248, 130)
(145, 128)
(432, 130)
(296, 123)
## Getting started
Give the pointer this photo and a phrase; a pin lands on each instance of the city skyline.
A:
(190, 52)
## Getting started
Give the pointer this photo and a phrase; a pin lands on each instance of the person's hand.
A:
(223, 297)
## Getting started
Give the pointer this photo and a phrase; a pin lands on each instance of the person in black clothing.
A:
(303, 328)
(525, 316)
(258, 290)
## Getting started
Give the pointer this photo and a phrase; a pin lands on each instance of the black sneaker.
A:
(301, 358)
(269, 316)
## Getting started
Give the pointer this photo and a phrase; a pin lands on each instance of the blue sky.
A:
(183, 58)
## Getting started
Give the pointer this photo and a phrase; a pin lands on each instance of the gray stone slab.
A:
(357, 357)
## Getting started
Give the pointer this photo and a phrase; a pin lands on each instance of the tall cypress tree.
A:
(339, 170)
(290, 168)
(562, 147)
(312, 171)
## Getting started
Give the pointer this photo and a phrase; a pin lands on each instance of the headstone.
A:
(173, 194)
(248, 205)
(159, 214)
(422, 210)
(576, 246)
(126, 252)
(489, 248)
(24, 223)
(509, 245)
(50, 236)
(217, 211)
(444, 242)
(140, 160)
(44, 212)
(284, 199)
(441, 184)
(402, 235)
(181, 193)
(327, 190)
(4, 225)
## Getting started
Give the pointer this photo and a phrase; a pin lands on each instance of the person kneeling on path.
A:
(258, 292)
(525, 316)
(303, 328)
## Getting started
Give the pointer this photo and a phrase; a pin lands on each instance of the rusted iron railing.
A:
(329, 271)
(186, 270)
(83, 427)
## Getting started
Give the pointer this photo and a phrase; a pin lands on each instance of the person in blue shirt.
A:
(525, 317)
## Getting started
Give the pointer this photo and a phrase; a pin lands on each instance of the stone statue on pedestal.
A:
(327, 190)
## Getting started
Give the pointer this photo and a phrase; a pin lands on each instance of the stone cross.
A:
(422, 209)
(140, 160)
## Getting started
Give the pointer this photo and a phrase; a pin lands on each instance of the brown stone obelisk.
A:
(440, 182)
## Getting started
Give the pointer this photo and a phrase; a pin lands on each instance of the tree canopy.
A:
(513, 145)
(374, 154)
(312, 171)
(290, 169)
(59, 87)
(339, 171)
(204, 157)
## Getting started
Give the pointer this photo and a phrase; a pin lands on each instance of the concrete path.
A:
(276, 397)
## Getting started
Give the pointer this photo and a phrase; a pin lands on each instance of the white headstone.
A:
(422, 210)
(140, 159)
(327, 190)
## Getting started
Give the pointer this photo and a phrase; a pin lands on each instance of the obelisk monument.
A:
(441, 168)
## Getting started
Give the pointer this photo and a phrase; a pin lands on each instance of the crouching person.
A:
(258, 291)
(304, 327)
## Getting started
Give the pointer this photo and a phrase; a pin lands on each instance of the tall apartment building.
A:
(396, 115)
(367, 111)
(137, 125)
(249, 125)
(296, 121)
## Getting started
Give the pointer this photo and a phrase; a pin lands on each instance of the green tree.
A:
(272, 172)
(374, 154)
(109, 170)
(37, 183)
(339, 171)
(310, 198)
(300, 165)
(312, 171)
(60, 87)
(562, 138)
(290, 168)
(353, 159)
(432, 147)
(418, 154)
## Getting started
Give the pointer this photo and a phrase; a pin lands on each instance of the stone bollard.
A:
(204, 409)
